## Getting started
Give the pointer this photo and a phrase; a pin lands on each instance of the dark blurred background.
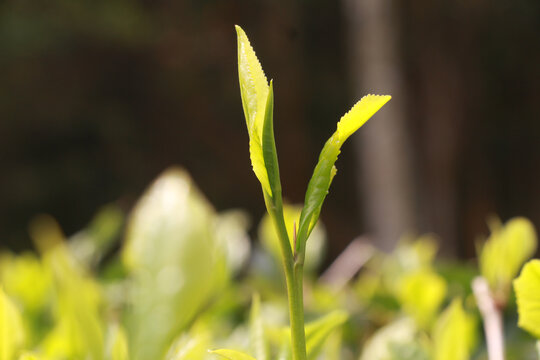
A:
(98, 97)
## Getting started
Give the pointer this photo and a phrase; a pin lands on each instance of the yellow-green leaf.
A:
(527, 287)
(359, 114)
(420, 294)
(254, 90)
(192, 345)
(379, 346)
(176, 261)
(29, 356)
(319, 330)
(78, 330)
(26, 280)
(324, 172)
(12, 334)
(454, 334)
(117, 346)
(232, 354)
(504, 253)
(269, 150)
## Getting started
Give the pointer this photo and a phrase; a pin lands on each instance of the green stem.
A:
(294, 280)
(296, 310)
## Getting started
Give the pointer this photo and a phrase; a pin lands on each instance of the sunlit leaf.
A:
(232, 232)
(190, 346)
(420, 294)
(12, 334)
(26, 279)
(411, 351)
(29, 356)
(505, 252)
(412, 255)
(454, 334)
(232, 354)
(117, 347)
(332, 349)
(269, 149)
(527, 287)
(177, 262)
(254, 90)
(379, 346)
(78, 331)
(325, 170)
(319, 330)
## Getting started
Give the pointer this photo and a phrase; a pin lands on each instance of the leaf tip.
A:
(239, 30)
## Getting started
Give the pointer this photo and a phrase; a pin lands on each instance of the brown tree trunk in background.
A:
(440, 145)
(383, 150)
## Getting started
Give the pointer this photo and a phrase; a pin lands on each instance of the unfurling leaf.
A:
(255, 97)
(325, 170)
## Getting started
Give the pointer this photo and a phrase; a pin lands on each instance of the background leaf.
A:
(420, 294)
(12, 334)
(379, 346)
(505, 252)
(176, 262)
(319, 330)
(454, 334)
(527, 287)
(78, 330)
(232, 354)
(257, 331)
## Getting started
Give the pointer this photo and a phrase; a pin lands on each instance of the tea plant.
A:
(258, 102)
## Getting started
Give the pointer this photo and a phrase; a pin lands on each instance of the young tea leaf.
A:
(254, 91)
(325, 170)
(527, 287)
(269, 149)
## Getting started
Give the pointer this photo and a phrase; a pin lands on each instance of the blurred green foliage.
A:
(185, 281)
